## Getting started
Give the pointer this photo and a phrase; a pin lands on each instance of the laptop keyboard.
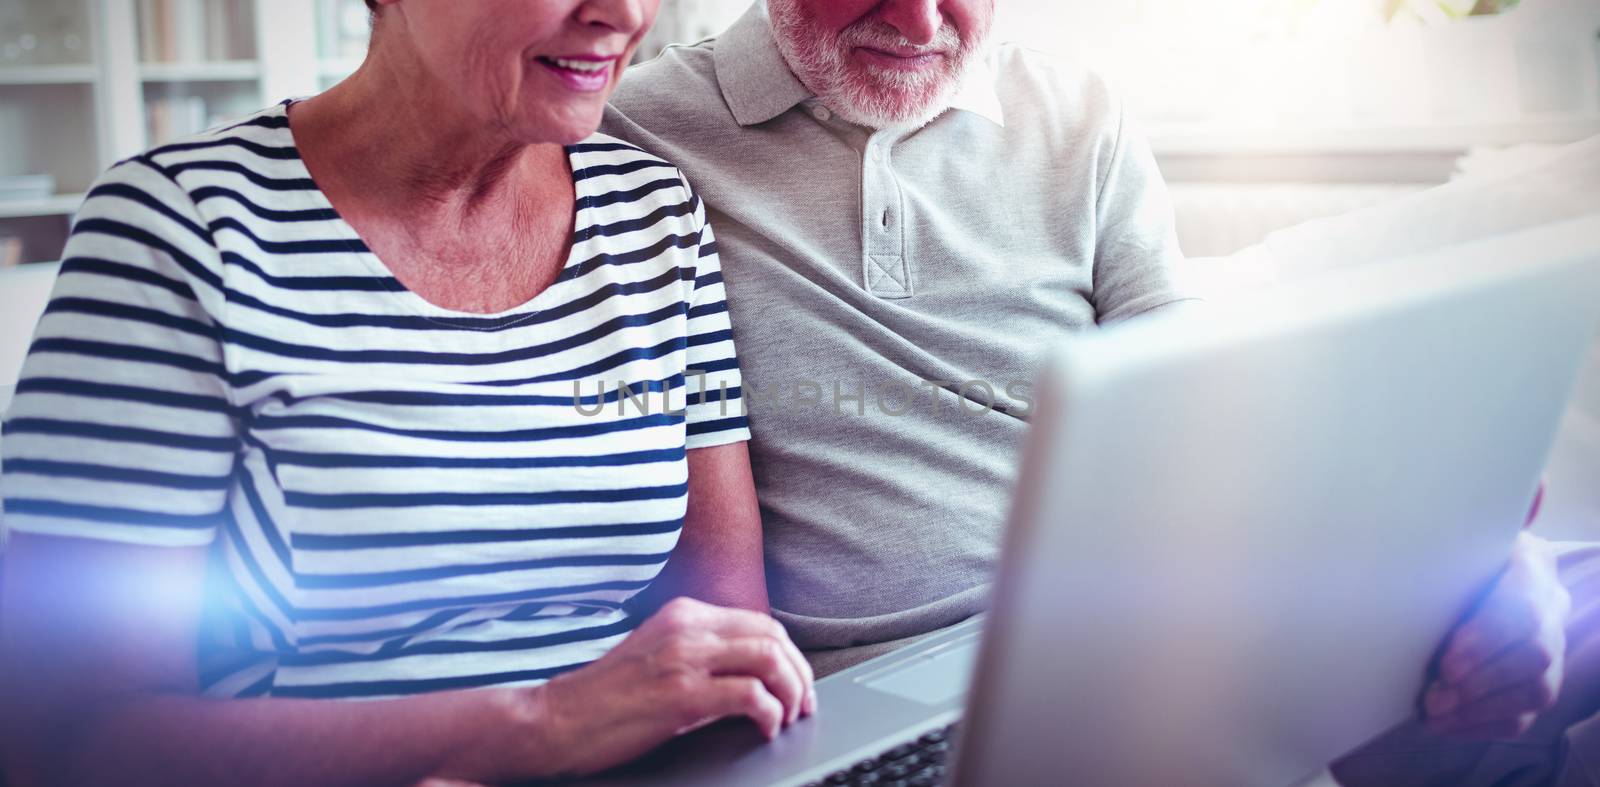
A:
(915, 763)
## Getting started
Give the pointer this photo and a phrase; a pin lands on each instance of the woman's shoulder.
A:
(257, 141)
(603, 149)
(627, 171)
(177, 196)
(253, 155)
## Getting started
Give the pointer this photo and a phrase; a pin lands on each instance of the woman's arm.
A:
(718, 558)
(97, 665)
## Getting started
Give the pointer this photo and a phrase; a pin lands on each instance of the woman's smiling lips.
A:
(581, 73)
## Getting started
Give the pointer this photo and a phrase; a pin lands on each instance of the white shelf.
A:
(55, 205)
(73, 74)
(88, 116)
(201, 71)
(1201, 139)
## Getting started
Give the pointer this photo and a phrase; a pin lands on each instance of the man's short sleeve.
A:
(121, 428)
(1136, 248)
(714, 400)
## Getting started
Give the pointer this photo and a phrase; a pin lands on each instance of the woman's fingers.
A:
(808, 703)
(731, 622)
(689, 665)
(742, 696)
(741, 623)
(763, 658)
(688, 615)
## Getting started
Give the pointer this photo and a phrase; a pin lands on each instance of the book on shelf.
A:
(10, 251)
(233, 30)
(189, 31)
(154, 31)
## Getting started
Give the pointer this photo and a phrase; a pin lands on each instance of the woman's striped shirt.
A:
(397, 497)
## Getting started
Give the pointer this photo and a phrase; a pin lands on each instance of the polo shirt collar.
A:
(756, 80)
(758, 85)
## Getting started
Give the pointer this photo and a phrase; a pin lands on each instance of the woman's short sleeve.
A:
(121, 428)
(714, 402)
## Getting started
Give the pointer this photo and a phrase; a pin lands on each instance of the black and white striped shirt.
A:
(397, 497)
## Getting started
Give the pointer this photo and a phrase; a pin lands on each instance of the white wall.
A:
(1324, 63)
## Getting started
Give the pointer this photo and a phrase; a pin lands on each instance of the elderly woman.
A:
(326, 406)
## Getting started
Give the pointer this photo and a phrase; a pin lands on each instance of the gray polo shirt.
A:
(860, 266)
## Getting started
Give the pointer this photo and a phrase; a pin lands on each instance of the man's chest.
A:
(956, 216)
(978, 275)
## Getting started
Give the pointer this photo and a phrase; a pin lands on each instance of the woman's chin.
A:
(566, 126)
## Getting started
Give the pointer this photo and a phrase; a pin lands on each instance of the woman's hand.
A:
(687, 666)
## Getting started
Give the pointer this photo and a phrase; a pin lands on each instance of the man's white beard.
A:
(878, 98)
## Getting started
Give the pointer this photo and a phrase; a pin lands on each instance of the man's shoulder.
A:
(682, 76)
(672, 103)
(1057, 87)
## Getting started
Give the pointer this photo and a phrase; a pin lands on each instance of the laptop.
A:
(1238, 537)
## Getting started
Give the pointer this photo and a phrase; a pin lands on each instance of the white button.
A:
(821, 112)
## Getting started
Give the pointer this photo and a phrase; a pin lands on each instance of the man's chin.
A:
(901, 122)
(892, 113)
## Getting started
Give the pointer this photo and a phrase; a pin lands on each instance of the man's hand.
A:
(1502, 667)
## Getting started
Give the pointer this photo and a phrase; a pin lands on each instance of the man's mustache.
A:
(879, 34)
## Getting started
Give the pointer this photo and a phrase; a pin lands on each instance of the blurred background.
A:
(1264, 113)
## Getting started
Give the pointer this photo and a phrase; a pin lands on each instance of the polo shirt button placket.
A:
(886, 271)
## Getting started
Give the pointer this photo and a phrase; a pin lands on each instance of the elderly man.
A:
(908, 217)
(911, 221)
